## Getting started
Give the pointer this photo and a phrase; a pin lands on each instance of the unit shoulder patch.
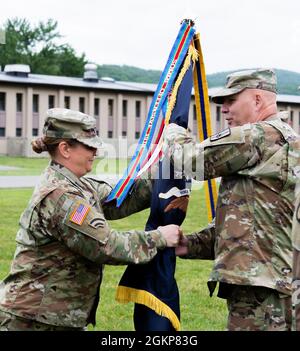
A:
(87, 220)
(224, 133)
(97, 222)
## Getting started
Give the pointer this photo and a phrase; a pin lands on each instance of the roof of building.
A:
(292, 99)
(106, 84)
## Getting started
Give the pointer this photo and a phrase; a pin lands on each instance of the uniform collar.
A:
(282, 115)
(57, 167)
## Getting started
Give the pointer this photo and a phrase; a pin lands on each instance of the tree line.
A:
(37, 46)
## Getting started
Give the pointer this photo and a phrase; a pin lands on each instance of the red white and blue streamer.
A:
(145, 153)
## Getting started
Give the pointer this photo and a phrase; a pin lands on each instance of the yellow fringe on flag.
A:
(210, 196)
(192, 55)
(125, 294)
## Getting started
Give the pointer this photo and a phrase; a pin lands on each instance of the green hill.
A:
(129, 73)
(288, 81)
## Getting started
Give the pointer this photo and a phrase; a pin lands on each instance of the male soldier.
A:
(64, 238)
(250, 237)
(296, 253)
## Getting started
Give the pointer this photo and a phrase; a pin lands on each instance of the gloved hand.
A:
(183, 150)
(172, 132)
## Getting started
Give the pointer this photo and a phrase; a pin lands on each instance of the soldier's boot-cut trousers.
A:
(258, 309)
(10, 322)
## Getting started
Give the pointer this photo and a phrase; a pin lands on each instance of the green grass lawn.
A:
(198, 310)
(34, 166)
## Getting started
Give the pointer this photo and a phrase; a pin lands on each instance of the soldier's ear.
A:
(64, 149)
(258, 100)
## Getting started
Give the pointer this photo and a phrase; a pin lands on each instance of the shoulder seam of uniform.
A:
(62, 192)
(97, 180)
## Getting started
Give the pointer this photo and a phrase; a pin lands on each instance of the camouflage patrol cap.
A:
(262, 78)
(69, 124)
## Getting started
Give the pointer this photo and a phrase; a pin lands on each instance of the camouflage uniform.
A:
(296, 253)
(63, 241)
(11, 322)
(250, 237)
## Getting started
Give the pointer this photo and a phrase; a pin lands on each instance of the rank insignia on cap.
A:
(79, 214)
(220, 135)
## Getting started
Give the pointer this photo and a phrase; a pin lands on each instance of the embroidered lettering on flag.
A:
(79, 214)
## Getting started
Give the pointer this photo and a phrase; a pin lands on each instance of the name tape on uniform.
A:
(220, 135)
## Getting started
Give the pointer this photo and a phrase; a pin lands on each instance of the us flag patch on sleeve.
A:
(79, 214)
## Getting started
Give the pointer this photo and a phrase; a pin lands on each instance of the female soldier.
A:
(64, 238)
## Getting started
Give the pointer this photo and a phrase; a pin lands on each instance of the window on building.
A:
(18, 132)
(138, 109)
(35, 132)
(2, 101)
(124, 134)
(82, 104)
(110, 107)
(35, 103)
(110, 134)
(124, 108)
(2, 132)
(218, 113)
(137, 135)
(291, 117)
(194, 113)
(96, 106)
(51, 101)
(19, 102)
(67, 101)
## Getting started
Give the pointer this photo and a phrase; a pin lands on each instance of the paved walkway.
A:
(31, 181)
(9, 168)
(18, 181)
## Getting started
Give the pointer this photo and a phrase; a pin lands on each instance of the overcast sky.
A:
(234, 33)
